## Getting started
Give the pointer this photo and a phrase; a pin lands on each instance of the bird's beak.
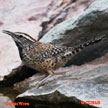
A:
(9, 33)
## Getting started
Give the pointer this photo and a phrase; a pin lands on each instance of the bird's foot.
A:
(43, 81)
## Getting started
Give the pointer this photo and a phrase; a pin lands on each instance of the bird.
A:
(45, 57)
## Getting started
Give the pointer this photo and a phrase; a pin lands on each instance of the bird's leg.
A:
(49, 72)
(45, 80)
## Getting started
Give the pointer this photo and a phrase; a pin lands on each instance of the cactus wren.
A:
(45, 57)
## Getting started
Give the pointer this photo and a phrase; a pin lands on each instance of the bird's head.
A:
(20, 38)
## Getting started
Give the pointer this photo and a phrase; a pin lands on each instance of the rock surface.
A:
(18, 74)
(9, 57)
(82, 28)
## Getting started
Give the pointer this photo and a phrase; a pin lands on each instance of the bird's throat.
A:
(20, 49)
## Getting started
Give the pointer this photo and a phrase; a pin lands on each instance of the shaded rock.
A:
(9, 92)
(90, 53)
(28, 83)
(61, 101)
(17, 74)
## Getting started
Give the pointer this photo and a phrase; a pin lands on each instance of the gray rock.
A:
(91, 23)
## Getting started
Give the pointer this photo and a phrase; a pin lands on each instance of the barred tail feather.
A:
(88, 43)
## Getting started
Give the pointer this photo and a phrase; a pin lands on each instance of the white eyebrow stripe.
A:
(26, 36)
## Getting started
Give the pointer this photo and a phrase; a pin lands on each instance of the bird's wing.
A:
(46, 51)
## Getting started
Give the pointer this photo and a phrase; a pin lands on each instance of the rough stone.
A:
(91, 23)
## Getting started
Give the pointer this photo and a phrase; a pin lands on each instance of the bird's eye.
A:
(20, 36)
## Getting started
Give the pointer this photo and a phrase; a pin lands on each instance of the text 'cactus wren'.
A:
(45, 57)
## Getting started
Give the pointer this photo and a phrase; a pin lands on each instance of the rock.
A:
(61, 101)
(17, 74)
(30, 15)
(9, 57)
(88, 82)
(61, 11)
(82, 28)
(90, 53)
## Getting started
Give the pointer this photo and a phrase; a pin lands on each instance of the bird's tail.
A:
(78, 48)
